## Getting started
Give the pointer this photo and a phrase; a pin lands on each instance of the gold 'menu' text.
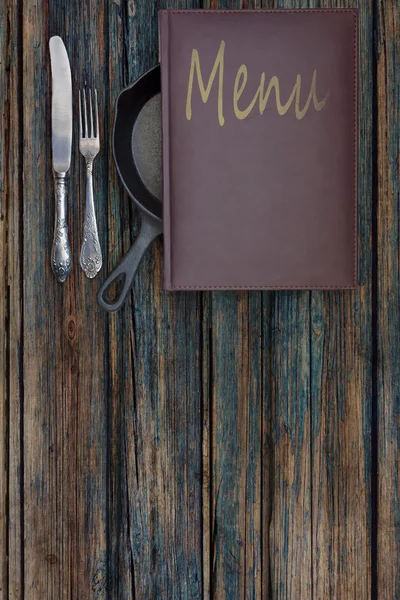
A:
(262, 95)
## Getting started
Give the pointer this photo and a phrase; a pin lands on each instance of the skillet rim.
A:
(141, 207)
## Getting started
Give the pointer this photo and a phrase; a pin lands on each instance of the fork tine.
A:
(91, 114)
(97, 113)
(80, 114)
(85, 113)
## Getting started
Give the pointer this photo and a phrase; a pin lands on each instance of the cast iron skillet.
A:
(137, 155)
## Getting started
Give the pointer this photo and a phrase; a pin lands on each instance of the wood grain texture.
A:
(157, 372)
(10, 242)
(287, 391)
(341, 376)
(235, 429)
(86, 352)
(4, 124)
(39, 578)
(289, 528)
(388, 298)
(131, 520)
(194, 445)
(333, 414)
(121, 382)
(287, 398)
(64, 428)
(236, 445)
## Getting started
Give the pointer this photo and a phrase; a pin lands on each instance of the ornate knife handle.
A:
(91, 258)
(61, 260)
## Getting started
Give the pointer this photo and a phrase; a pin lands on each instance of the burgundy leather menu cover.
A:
(259, 113)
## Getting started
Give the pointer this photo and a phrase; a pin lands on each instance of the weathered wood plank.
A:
(40, 572)
(206, 510)
(208, 546)
(388, 297)
(126, 475)
(289, 388)
(341, 379)
(287, 400)
(234, 427)
(64, 380)
(121, 385)
(85, 357)
(236, 424)
(341, 375)
(4, 309)
(316, 531)
(11, 210)
(268, 484)
(156, 375)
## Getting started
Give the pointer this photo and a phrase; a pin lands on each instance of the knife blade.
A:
(61, 130)
(61, 105)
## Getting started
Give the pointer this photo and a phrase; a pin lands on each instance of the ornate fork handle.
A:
(61, 261)
(91, 258)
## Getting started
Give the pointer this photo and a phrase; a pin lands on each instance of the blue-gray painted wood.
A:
(341, 341)
(157, 433)
(387, 40)
(210, 445)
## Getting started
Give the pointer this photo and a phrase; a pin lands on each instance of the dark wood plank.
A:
(64, 405)
(267, 442)
(121, 384)
(289, 388)
(341, 374)
(235, 429)
(236, 421)
(155, 440)
(287, 468)
(4, 400)
(156, 384)
(41, 571)
(334, 417)
(10, 242)
(86, 356)
(207, 474)
(388, 297)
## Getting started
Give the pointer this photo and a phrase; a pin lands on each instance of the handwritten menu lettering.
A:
(261, 95)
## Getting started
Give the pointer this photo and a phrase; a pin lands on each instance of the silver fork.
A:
(89, 146)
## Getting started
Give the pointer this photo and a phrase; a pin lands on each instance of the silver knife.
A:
(61, 129)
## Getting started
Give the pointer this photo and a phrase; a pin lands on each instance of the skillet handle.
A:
(149, 230)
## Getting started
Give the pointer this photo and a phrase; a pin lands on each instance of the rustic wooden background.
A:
(195, 445)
